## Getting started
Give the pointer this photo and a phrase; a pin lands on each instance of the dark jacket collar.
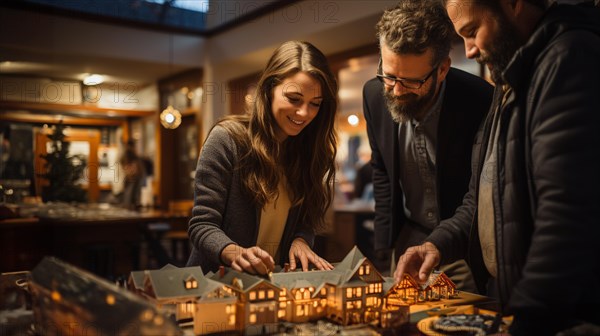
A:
(557, 20)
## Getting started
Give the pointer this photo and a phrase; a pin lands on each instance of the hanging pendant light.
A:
(170, 117)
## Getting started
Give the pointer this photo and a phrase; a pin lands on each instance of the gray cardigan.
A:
(223, 214)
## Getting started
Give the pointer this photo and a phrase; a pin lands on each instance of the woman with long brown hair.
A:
(264, 180)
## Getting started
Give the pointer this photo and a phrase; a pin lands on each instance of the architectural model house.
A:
(304, 296)
(69, 301)
(353, 292)
(258, 298)
(408, 291)
(188, 295)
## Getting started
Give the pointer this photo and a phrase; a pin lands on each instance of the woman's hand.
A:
(301, 250)
(252, 260)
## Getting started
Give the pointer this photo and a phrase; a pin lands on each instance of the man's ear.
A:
(443, 68)
(512, 8)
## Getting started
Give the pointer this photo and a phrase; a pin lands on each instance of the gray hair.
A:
(414, 26)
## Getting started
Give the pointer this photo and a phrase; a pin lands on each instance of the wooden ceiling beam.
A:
(55, 119)
(109, 112)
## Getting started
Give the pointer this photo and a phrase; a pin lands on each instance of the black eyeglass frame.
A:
(418, 83)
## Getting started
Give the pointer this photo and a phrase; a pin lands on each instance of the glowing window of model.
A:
(261, 295)
(323, 291)
(367, 269)
(307, 295)
(282, 293)
(281, 313)
(358, 304)
(252, 318)
(282, 304)
(271, 294)
(252, 296)
(300, 310)
(359, 291)
(231, 320)
(361, 270)
(298, 295)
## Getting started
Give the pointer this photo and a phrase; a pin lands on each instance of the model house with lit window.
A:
(188, 295)
(257, 300)
(304, 295)
(358, 296)
(408, 291)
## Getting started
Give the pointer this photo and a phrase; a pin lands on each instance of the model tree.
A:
(62, 171)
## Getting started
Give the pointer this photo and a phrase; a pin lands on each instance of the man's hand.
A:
(418, 261)
(301, 250)
(253, 260)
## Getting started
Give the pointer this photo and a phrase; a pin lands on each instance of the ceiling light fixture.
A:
(94, 79)
(170, 118)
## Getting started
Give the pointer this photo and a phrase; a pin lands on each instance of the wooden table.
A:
(347, 230)
(105, 245)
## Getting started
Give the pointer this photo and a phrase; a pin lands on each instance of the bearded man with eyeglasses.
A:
(422, 117)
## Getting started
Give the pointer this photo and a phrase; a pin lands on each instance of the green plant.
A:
(62, 171)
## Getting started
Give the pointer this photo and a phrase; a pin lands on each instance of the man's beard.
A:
(409, 106)
(501, 49)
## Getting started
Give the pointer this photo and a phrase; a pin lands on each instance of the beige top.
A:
(272, 221)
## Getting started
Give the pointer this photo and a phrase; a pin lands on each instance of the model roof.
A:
(437, 277)
(300, 279)
(247, 281)
(169, 283)
(137, 278)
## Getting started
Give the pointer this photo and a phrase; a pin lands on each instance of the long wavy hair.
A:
(308, 159)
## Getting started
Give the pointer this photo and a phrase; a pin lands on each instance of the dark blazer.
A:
(466, 102)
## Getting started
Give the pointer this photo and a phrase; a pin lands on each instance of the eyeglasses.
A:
(391, 81)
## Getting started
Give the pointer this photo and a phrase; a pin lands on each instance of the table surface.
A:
(85, 234)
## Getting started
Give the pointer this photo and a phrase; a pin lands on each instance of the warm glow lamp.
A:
(170, 118)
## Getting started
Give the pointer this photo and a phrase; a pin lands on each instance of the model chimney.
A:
(221, 271)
